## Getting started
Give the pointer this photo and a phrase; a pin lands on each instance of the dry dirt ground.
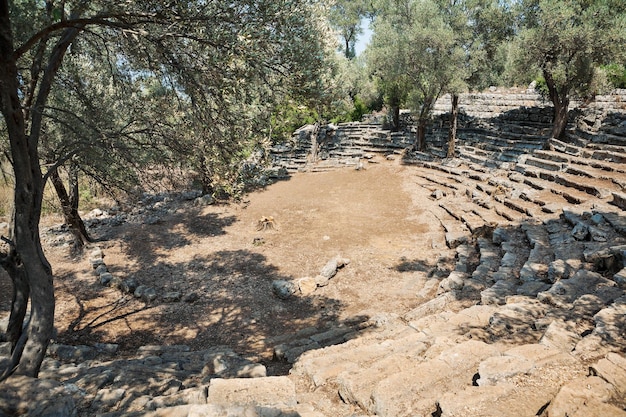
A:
(378, 218)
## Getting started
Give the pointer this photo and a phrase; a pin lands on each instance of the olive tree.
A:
(480, 29)
(216, 57)
(566, 41)
(346, 17)
(413, 52)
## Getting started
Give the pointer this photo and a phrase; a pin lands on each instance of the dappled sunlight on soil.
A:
(374, 217)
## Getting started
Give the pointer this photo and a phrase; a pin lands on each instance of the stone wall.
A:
(510, 115)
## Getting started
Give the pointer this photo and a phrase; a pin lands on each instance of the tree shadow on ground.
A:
(233, 305)
(143, 241)
(415, 265)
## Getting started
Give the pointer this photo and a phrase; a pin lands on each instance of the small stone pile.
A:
(127, 286)
(306, 286)
(131, 286)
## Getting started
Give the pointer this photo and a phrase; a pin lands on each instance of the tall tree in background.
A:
(413, 52)
(346, 17)
(480, 28)
(565, 41)
(217, 58)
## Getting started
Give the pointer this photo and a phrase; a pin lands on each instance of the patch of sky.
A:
(364, 38)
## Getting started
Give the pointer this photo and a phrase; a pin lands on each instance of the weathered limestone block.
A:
(433, 306)
(517, 317)
(196, 395)
(100, 269)
(497, 369)
(106, 278)
(356, 383)
(454, 281)
(108, 397)
(620, 278)
(284, 289)
(271, 391)
(78, 353)
(171, 297)
(619, 199)
(610, 323)
(330, 270)
(565, 292)
(227, 363)
(498, 292)
(560, 335)
(96, 262)
(116, 282)
(541, 355)
(613, 370)
(129, 285)
(307, 285)
(425, 381)
(586, 306)
(558, 269)
(502, 400)
(96, 253)
(213, 410)
(584, 397)
(21, 395)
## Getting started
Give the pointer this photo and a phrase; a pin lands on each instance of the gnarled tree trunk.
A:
(31, 272)
(421, 135)
(69, 206)
(21, 293)
(560, 100)
(26, 263)
(454, 116)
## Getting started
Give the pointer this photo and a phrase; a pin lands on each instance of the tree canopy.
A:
(413, 54)
(97, 82)
(566, 41)
(346, 16)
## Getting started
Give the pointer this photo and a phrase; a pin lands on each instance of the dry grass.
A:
(51, 205)
(6, 200)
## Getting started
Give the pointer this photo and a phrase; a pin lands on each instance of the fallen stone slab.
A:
(504, 400)
(613, 370)
(560, 335)
(584, 397)
(423, 383)
(271, 391)
(330, 270)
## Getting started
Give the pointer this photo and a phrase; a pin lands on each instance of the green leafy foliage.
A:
(412, 54)
(616, 74)
(566, 41)
(346, 18)
(160, 84)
